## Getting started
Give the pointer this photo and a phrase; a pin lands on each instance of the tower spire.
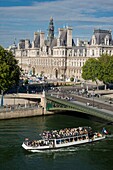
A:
(51, 30)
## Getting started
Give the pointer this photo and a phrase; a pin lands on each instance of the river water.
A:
(96, 156)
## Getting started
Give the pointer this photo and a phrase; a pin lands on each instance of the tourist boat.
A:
(57, 139)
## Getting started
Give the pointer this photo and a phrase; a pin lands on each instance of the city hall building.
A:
(60, 57)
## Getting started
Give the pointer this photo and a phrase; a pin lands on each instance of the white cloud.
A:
(61, 10)
(26, 18)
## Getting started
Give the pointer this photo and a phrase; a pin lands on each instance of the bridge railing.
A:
(18, 107)
(102, 113)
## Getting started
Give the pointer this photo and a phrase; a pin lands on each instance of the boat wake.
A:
(109, 136)
(71, 149)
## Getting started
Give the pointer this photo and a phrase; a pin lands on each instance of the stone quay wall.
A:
(22, 113)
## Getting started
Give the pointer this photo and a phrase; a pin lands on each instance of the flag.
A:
(104, 131)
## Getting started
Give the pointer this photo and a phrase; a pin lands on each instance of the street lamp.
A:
(2, 94)
(93, 97)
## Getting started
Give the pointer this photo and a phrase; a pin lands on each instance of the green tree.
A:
(9, 70)
(72, 79)
(106, 69)
(90, 70)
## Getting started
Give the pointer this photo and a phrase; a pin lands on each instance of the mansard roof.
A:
(63, 38)
(100, 36)
(37, 41)
(54, 43)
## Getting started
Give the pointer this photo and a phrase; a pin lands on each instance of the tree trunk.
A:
(97, 84)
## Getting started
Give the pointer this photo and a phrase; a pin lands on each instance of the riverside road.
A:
(99, 102)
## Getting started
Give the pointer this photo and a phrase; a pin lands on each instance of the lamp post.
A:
(2, 94)
(93, 97)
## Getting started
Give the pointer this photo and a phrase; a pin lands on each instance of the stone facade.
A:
(60, 57)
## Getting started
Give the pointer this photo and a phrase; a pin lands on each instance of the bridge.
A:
(57, 104)
(54, 104)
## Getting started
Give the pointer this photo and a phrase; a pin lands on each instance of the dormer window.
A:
(107, 40)
(93, 40)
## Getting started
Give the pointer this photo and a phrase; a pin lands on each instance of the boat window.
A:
(62, 141)
(58, 142)
(84, 137)
(67, 140)
(71, 139)
(75, 139)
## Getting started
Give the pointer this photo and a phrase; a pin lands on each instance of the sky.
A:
(19, 19)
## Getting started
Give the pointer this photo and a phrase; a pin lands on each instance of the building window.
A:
(92, 52)
(37, 52)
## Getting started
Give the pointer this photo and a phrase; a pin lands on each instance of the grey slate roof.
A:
(100, 36)
(63, 38)
(54, 43)
(37, 41)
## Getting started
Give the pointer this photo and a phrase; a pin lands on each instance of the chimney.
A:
(69, 37)
(35, 35)
(27, 43)
(42, 38)
(78, 42)
(60, 30)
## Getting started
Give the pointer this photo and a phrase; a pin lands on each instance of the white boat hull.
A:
(61, 145)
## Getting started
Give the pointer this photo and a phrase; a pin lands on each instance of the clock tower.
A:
(51, 30)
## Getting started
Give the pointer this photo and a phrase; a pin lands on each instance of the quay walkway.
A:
(23, 105)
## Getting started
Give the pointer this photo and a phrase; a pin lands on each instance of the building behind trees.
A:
(61, 57)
